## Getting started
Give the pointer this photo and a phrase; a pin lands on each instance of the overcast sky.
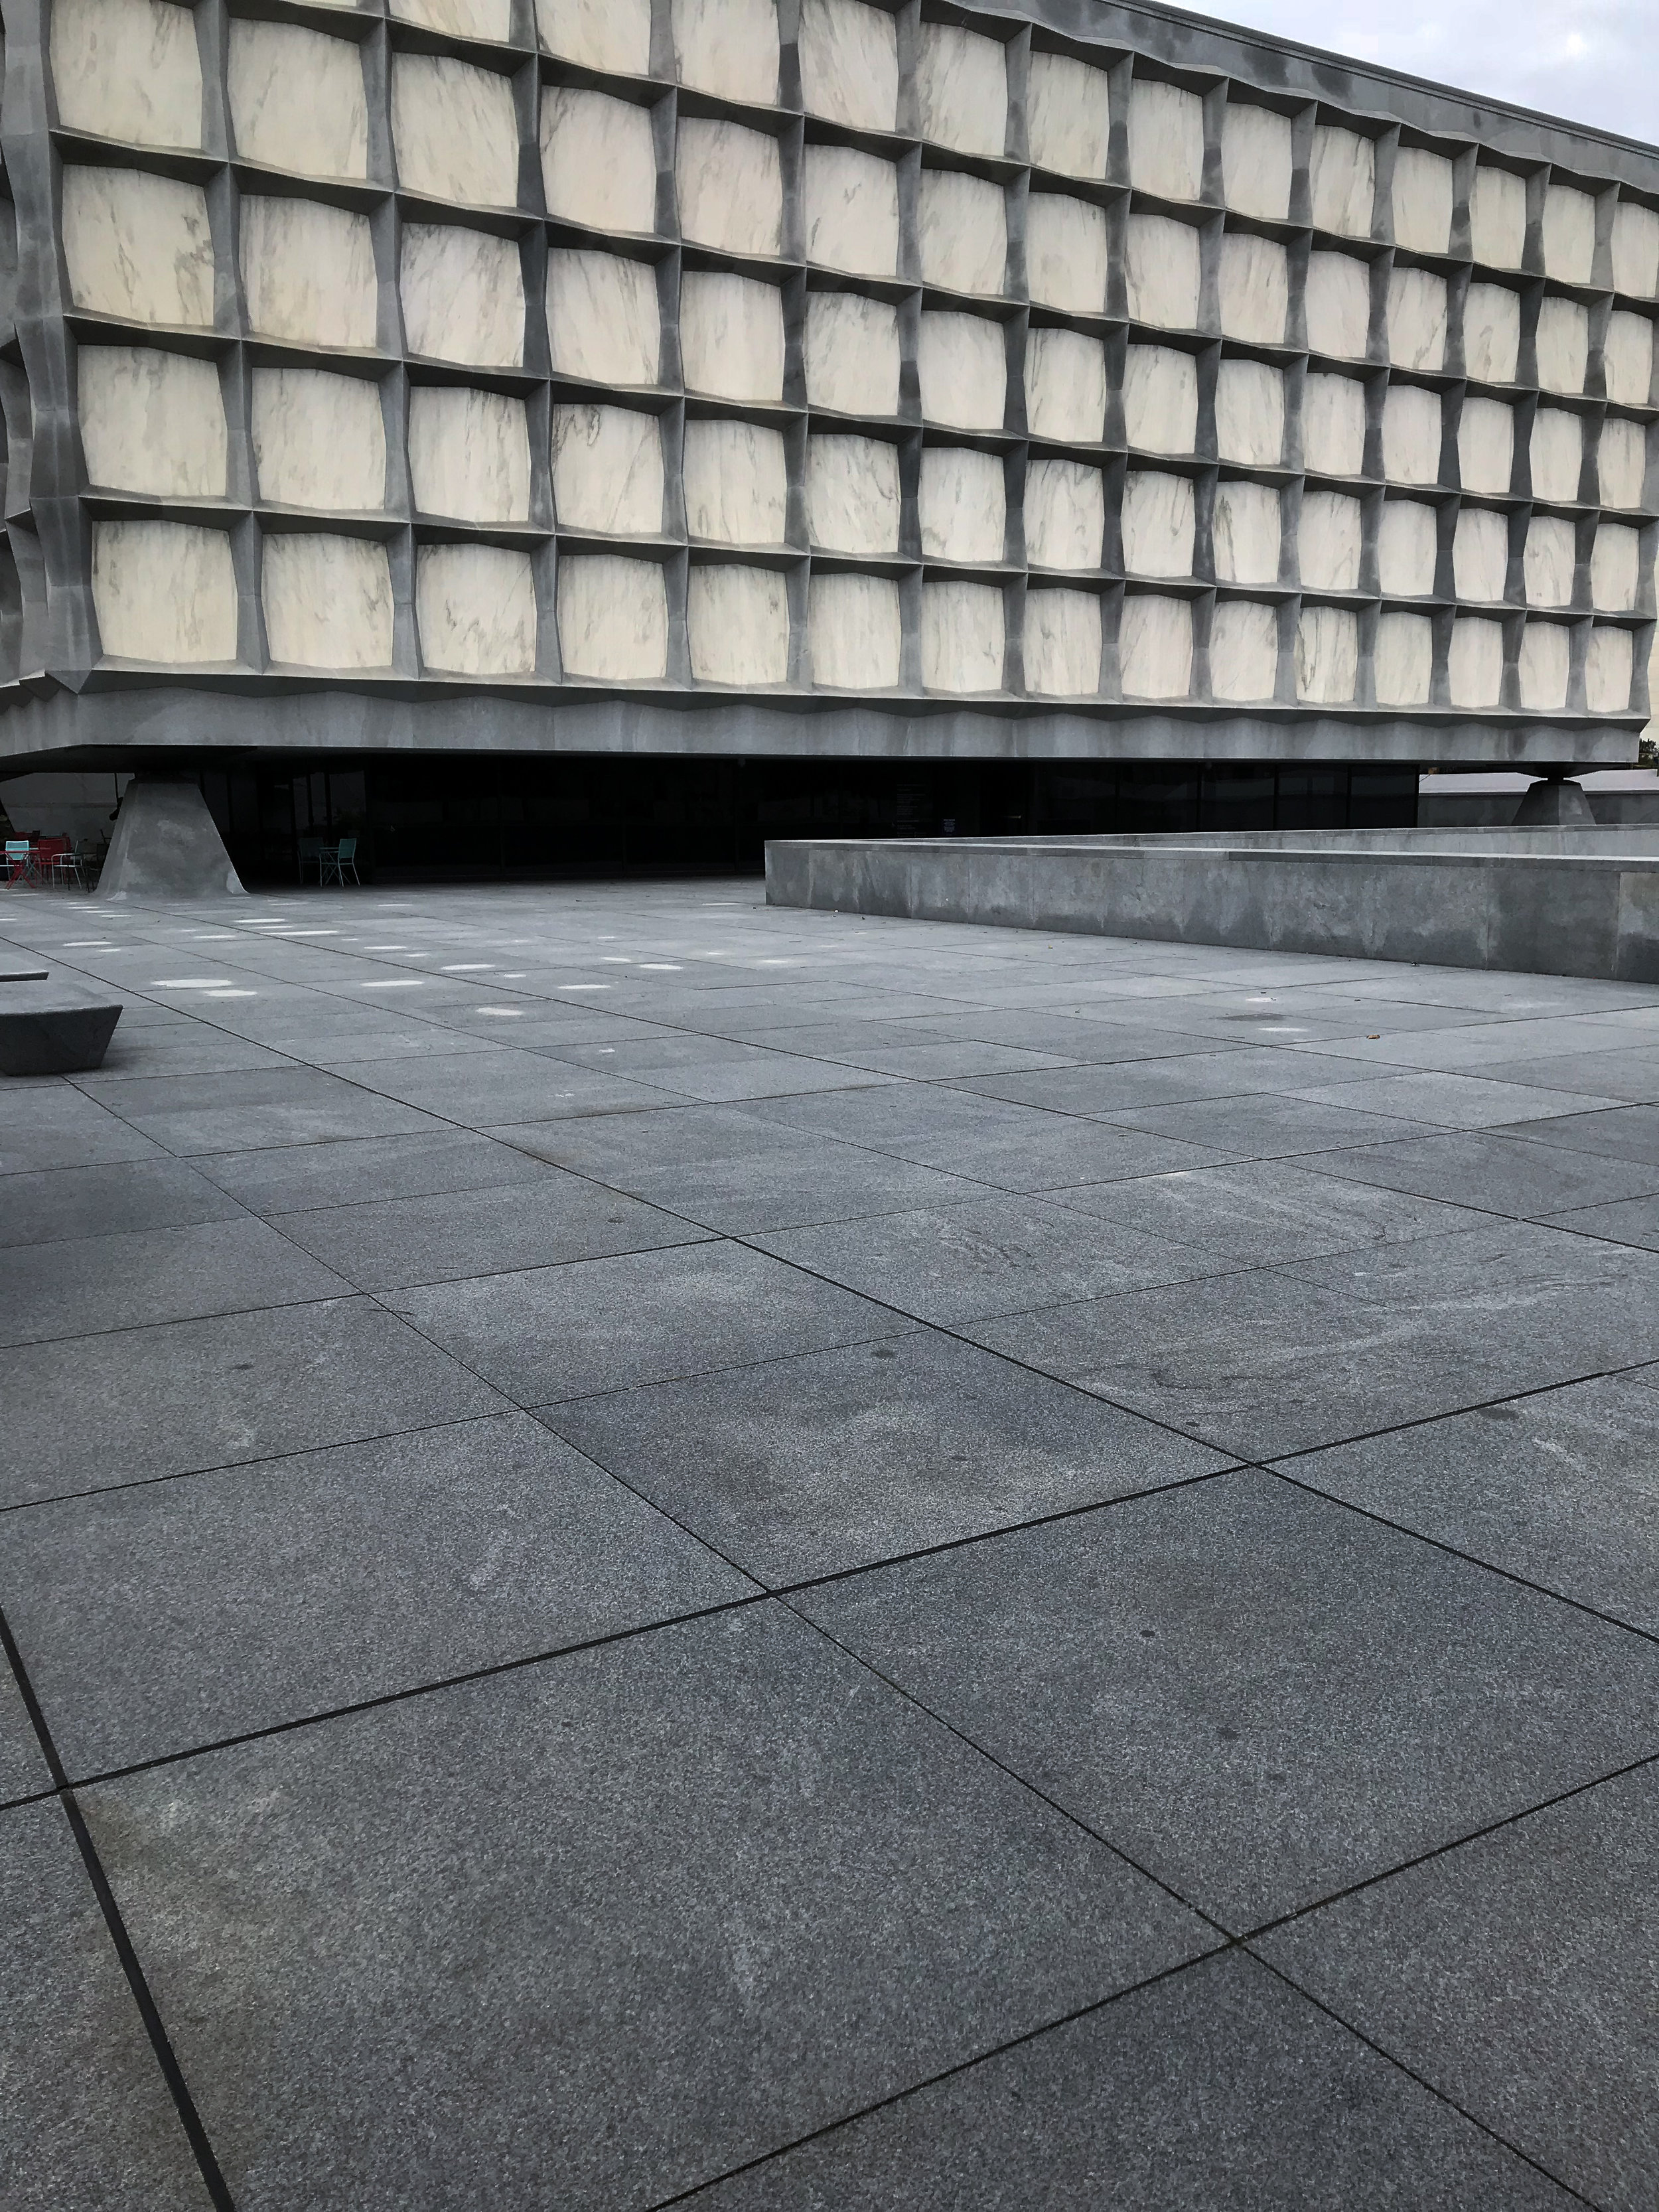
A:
(1591, 61)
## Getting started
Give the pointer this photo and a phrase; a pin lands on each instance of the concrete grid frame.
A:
(1042, 382)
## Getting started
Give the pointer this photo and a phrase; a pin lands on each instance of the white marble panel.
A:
(463, 296)
(1546, 664)
(856, 633)
(308, 273)
(1342, 174)
(139, 246)
(1411, 434)
(476, 609)
(151, 422)
(1403, 672)
(1497, 218)
(1622, 464)
(1328, 540)
(736, 486)
(962, 366)
(852, 497)
(1067, 116)
(608, 469)
(1250, 413)
(1407, 548)
(1480, 554)
(1065, 253)
(963, 232)
(127, 69)
(1158, 524)
(964, 505)
(730, 185)
(1558, 454)
(612, 618)
(1255, 288)
(1339, 304)
(163, 591)
(469, 453)
(736, 623)
(1551, 557)
(1327, 655)
(297, 100)
(964, 633)
(1491, 333)
(1161, 268)
(1563, 345)
(457, 19)
(455, 130)
(1627, 359)
(1333, 425)
(1247, 529)
(1256, 161)
(852, 211)
(850, 64)
(1635, 250)
(1160, 399)
(1615, 569)
(1569, 234)
(1166, 141)
(603, 35)
(1244, 650)
(1422, 200)
(729, 47)
(319, 439)
(1065, 386)
(1062, 644)
(851, 353)
(962, 89)
(731, 336)
(1416, 318)
(1609, 665)
(1485, 447)
(603, 319)
(327, 602)
(1475, 668)
(598, 160)
(1065, 514)
(1155, 648)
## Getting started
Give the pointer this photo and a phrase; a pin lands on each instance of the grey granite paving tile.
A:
(270, 1106)
(946, 1059)
(91, 1413)
(190, 1047)
(1518, 1976)
(1450, 1101)
(1469, 1046)
(1258, 1695)
(162, 1617)
(717, 1070)
(23, 1769)
(1266, 1127)
(366, 1170)
(1619, 1133)
(1239, 1072)
(1633, 1076)
(480, 1092)
(1517, 1175)
(57, 1203)
(1217, 2090)
(51, 1124)
(1625, 1221)
(87, 2119)
(594, 1931)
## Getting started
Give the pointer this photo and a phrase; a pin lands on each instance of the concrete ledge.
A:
(49, 1028)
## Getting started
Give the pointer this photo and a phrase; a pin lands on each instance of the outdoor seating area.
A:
(52, 864)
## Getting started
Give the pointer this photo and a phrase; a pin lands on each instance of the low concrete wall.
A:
(1551, 901)
(1619, 799)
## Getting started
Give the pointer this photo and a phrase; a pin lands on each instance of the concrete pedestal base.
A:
(166, 846)
(49, 1028)
(1556, 802)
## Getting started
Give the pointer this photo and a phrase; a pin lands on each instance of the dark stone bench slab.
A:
(51, 1027)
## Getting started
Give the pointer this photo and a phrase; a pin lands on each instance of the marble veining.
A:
(603, 319)
(1065, 386)
(1485, 447)
(455, 130)
(856, 632)
(1256, 161)
(1558, 454)
(603, 35)
(963, 232)
(964, 505)
(727, 46)
(163, 591)
(1491, 333)
(1158, 523)
(598, 161)
(1250, 413)
(1615, 569)
(1609, 667)
(1326, 656)
(1636, 250)
(297, 101)
(319, 439)
(737, 483)
(139, 246)
(848, 54)
(1544, 667)
(1067, 115)
(1155, 648)
(308, 273)
(1244, 650)
(459, 19)
(1062, 644)
(127, 69)
(612, 618)
(852, 497)
(851, 209)
(151, 422)
(731, 336)
(963, 636)
(1338, 305)
(1481, 554)
(1411, 434)
(1333, 425)
(469, 453)
(851, 354)
(962, 366)
(1422, 200)
(1416, 318)
(1329, 541)
(1065, 514)
(463, 296)
(1497, 217)
(475, 607)
(1342, 178)
(1247, 530)
(1549, 561)
(962, 89)
(1161, 270)
(1475, 665)
(608, 469)
(1403, 670)
(1166, 140)
(327, 601)
(1160, 399)
(1065, 253)
(1407, 549)
(730, 185)
(1563, 345)
(1569, 234)
(1255, 288)
(736, 623)
(1622, 464)
(1627, 359)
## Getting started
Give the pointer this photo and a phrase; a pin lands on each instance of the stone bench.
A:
(51, 1027)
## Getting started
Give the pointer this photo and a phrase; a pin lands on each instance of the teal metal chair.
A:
(333, 862)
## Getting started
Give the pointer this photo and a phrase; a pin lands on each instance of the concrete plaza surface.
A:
(657, 1551)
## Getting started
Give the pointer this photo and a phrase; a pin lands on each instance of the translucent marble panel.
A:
(327, 602)
(1635, 250)
(151, 422)
(603, 319)
(1497, 218)
(964, 505)
(1475, 667)
(1250, 413)
(1491, 333)
(1404, 666)
(459, 19)
(1558, 454)
(851, 353)
(1065, 514)
(737, 622)
(1255, 288)
(1158, 524)
(856, 633)
(1256, 161)
(1627, 359)
(127, 69)
(962, 637)
(1342, 175)
(1569, 234)
(1166, 141)
(139, 246)
(1407, 548)
(1422, 200)
(1563, 345)
(1246, 527)
(163, 591)
(1333, 425)
(1160, 399)
(1621, 463)
(1065, 386)
(1411, 434)
(729, 47)
(1416, 318)
(308, 273)
(613, 618)
(852, 211)
(1485, 447)
(1244, 650)
(469, 454)
(850, 64)
(608, 471)
(737, 487)
(1155, 648)
(1480, 554)
(962, 366)
(455, 130)
(1609, 665)
(1339, 304)
(297, 100)
(730, 185)
(598, 161)
(463, 296)
(1615, 569)
(1067, 116)
(852, 497)
(731, 336)
(319, 439)
(603, 35)
(1065, 253)
(962, 89)
(1328, 540)
(1326, 656)
(1546, 665)
(1062, 644)
(1551, 557)
(962, 231)
(476, 609)
(1161, 268)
